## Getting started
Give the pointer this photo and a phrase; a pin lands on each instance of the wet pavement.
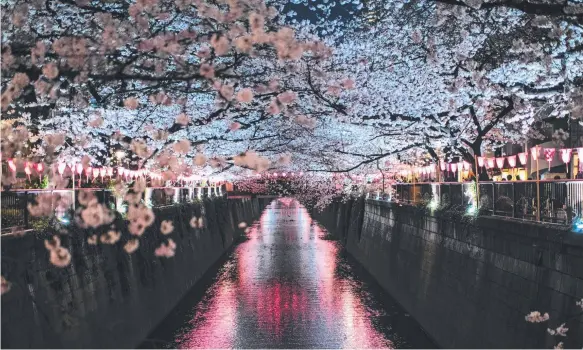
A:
(288, 287)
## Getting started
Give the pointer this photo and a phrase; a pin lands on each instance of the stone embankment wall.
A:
(107, 298)
(468, 283)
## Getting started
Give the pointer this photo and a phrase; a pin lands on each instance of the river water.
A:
(287, 286)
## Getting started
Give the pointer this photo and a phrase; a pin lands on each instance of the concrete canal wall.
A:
(468, 283)
(107, 298)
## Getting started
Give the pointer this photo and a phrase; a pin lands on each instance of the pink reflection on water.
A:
(283, 281)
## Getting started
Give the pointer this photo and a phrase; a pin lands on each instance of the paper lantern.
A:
(549, 155)
(566, 154)
(512, 161)
(102, 172)
(95, 172)
(109, 171)
(489, 163)
(500, 162)
(27, 170)
(79, 168)
(442, 165)
(522, 157)
(466, 166)
(61, 168)
(40, 167)
(535, 152)
(453, 167)
(11, 165)
(481, 162)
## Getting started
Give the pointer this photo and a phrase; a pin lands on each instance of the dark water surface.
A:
(286, 287)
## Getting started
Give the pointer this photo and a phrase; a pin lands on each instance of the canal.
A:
(287, 286)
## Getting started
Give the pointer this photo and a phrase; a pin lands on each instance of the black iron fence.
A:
(551, 201)
(15, 214)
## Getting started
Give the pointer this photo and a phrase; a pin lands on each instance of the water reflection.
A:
(287, 287)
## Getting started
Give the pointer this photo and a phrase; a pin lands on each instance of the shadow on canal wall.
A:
(107, 298)
(469, 284)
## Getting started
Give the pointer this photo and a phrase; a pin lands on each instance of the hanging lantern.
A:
(110, 171)
(566, 157)
(481, 162)
(27, 170)
(512, 161)
(95, 172)
(500, 162)
(489, 163)
(453, 167)
(535, 152)
(522, 157)
(79, 168)
(11, 165)
(460, 166)
(40, 167)
(549, 155)
(61, 168)
(102, 173)
(442, 165)
(466, 166)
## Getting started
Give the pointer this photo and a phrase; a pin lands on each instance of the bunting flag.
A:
(549, 155)
(500, 162)
(512, 161)
(522, 157)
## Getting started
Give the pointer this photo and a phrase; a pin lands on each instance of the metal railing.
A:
(558, 201)
(14, 211)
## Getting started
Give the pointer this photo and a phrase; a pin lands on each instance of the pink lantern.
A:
(61, 168)
(512, 161)
(110, 171)
(489, 163)
(500, 162)
(481, 162)
(466, 166)
(453, 167)
(549, 155)
(11, 165)
(275, 174)
(102, 172)
(442, 165)
(522, 157)
(284, 174)
(535, 152)
(460, 166)
(95, 172)
(79, 168)
(39, 167)
(27, 170)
